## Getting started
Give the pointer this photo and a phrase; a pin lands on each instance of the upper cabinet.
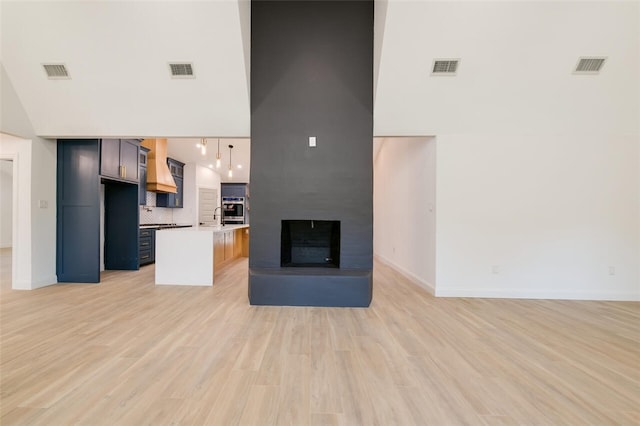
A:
(119, 159)
(173, 200)
(83, 164)
(142, 190)
(234, 189)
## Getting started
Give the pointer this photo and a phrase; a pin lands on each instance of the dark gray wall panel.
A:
(312, 75)
(338, 290)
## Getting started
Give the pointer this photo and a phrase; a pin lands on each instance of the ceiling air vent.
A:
(445, 66)
(181, 70)
(56, 71)
(589, 65)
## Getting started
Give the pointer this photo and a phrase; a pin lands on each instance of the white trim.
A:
(15, 240)
(535, 294)
(20, 285)
(44, 282)
(33, 285)
(406, 274)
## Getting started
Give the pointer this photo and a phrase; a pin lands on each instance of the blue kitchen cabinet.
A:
(79, 176)
(173, 200)
(121, 226)
(147, 246)
(142, 184)
(78, 211)
(233, 189)
(119, 159)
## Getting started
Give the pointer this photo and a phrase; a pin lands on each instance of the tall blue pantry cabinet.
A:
(83, 164)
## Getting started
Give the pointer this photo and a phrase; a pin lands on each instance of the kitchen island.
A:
(190, 256)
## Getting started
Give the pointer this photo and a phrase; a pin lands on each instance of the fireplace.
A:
(310, 243)
(311, 79)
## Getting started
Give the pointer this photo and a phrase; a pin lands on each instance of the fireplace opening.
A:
(310, 243)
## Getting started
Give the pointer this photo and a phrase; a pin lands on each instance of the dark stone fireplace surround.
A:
(311, 75)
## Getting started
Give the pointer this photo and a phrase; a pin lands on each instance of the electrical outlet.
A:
(495, 269)
(43, 204)
(612, 270)
(312, 141)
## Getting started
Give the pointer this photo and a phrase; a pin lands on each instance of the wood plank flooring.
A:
(126, 352)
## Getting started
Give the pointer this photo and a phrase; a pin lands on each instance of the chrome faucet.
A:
(221, 214)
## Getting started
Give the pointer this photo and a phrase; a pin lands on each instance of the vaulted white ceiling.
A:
(117, 53)
(515, 72)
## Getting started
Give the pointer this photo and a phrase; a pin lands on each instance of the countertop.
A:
(204, 228)
(164, 225)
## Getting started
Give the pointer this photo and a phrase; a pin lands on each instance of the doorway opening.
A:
(404, 205)
(6, 222)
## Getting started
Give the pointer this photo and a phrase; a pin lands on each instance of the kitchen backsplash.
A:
(152, 214)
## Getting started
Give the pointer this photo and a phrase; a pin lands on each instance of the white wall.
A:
(552, 213)
(43, 219)
(404, 207)
(6, 203)
(538, 169)
(34, 233)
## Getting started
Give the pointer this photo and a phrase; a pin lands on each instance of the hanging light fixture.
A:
(203, 146)
(230, 168)
(218, 157)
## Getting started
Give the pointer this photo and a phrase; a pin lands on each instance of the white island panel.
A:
(184, 257)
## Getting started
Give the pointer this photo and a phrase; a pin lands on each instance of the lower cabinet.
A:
(229, 245)
(147, 246)
(218, 249)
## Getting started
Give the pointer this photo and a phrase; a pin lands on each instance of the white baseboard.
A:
(33, 285)
(490, 293)
(44, 282)
(408, 275)
(533, 294)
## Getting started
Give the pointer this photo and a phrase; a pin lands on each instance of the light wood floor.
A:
(126, 352)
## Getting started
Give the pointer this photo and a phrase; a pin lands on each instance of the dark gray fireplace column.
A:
(311, 77)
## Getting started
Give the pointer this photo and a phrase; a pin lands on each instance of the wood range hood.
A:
(159, 177)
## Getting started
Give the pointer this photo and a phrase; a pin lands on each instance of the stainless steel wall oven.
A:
(233, 209)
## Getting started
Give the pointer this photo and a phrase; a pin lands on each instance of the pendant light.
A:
(230, 168)
(218, 157)
(203, 146)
